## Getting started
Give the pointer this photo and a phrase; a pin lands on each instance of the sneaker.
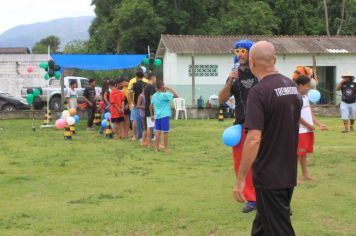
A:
(250, 206)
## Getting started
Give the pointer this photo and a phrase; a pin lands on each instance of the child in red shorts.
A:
(306, 128)
(116, 109)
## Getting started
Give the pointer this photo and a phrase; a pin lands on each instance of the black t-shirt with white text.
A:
(239, 90)
(148, 92)
(348, 90)
(274, 107)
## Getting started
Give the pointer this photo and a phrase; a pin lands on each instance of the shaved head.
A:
(262, 58)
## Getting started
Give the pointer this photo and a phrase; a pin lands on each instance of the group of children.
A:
(141, 105)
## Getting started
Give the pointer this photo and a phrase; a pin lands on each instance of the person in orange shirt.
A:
(116, 109)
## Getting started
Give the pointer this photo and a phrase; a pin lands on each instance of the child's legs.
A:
(158, 128)
(165, 127)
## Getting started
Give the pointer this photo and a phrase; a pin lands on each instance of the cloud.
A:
(20, 12)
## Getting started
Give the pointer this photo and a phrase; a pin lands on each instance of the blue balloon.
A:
(104, 123)
(232, 136)
(314, 95)
(76, 118)
(107, 115)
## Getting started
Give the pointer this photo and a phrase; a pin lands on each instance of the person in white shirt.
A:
(72, 95)
(306, 128)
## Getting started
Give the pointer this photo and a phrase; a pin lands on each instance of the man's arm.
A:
(249, 154)
(225, 93)
(151, 112)
(339, 85)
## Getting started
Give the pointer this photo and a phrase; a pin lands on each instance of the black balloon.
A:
(57, 68)
(50, 72)
(29, 91)
(51, 64)
(37, 103)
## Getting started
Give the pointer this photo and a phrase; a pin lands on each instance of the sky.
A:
(23, 12)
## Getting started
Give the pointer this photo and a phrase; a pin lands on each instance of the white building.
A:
(331, 56)
(13, 70)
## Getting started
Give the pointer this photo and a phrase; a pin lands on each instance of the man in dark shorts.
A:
(89, 96)
(238, 84)
(272, 121)
(148, 92)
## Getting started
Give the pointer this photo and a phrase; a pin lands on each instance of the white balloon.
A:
(65, 114)
(143, 69)
(70, 120)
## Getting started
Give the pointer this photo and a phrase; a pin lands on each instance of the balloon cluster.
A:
(152, 61)
(32, 95)
(52, 69)
(104, 122)
(69, 117)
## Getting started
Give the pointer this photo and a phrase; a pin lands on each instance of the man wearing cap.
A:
(240, 81)
(348, 101)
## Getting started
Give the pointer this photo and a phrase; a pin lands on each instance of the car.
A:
(11, 103)
(52, 92)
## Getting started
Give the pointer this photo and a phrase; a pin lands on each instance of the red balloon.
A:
(29, 69)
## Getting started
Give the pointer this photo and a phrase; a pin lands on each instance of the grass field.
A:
(95, 186)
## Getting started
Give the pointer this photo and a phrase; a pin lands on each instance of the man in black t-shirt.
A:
(272, 121)
(149, 90)
(89, 95)
(238, 84)
(348, 101)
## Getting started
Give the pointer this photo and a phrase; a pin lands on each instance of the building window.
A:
(204, 70)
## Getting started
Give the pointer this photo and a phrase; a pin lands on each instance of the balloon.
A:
(51, 64)
(29, 69)
(232, 136)
(60, 123)
(314, 95)
(157, 62)
(104, 123)
(146, 61)
(29, 98)
(43, 65)
(46, 76)
(57, 74)
(65, 114)
(29, 91)
(70, 120)
(50, 72)
(72, 111)
(107, 115)
(143, 69)
(57, 68)
(76, 118)
(36, 92)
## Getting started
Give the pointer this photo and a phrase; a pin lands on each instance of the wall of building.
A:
(14, 75)
(176, 70)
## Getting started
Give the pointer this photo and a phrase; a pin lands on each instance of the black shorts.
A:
(117, 120)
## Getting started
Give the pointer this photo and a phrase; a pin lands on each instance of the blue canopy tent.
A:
(97, 62)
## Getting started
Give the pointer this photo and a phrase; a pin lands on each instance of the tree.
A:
(138, 26)
(326, 18)
(42, 45)
(76, 47)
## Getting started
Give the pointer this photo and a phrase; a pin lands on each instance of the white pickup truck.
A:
(53, 92)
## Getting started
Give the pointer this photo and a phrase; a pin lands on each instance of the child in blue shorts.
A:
(161, 108)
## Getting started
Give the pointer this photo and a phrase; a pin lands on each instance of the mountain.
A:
(66, 29)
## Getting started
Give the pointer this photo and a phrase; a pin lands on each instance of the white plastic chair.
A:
(179, 105)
